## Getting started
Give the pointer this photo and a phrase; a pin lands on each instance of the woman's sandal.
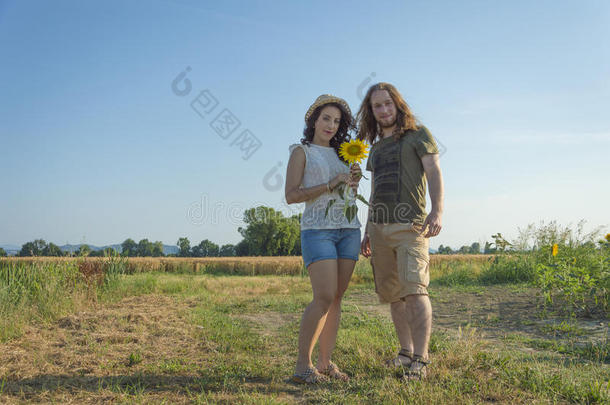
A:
(403, 359)
(418, 369)
(309, 376)
(333, 371)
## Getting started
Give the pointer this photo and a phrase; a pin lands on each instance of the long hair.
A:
(369, 129)
(346, 125)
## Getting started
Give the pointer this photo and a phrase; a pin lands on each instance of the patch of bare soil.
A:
(268, 323)
(497, 312)
(102, 355)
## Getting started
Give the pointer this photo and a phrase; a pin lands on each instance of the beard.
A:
(390, 125)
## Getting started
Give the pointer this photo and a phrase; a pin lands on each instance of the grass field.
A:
(201, 335)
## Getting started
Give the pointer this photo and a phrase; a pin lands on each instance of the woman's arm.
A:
(294, 177)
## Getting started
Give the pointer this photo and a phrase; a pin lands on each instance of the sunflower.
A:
(555, 250)
(608, 237)
(354, 151)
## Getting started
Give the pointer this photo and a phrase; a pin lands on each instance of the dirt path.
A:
(497, 312)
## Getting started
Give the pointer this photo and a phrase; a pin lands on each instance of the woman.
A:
(329, 242)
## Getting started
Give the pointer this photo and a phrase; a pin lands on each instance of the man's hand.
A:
(365, 246)
(433, 223)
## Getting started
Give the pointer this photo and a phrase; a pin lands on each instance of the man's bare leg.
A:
(398, 310)
(419, 315)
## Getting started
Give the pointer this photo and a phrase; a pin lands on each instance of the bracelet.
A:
(328, 187)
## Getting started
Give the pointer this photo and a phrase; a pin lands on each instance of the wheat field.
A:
(251, 265)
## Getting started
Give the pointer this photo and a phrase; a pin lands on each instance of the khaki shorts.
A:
(400, 261)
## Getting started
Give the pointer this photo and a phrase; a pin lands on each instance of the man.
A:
(403, 160)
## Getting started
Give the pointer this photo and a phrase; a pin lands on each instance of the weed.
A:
(134, 358)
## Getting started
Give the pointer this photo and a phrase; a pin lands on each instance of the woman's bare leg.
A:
(328, 336)
(324, 280)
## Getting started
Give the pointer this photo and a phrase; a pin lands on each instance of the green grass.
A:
(247, 328)
(36, 293)
(465, 370)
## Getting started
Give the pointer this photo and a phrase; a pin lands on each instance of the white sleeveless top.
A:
(322, 165)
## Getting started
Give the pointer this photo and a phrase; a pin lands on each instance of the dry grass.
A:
(98, 355)
(208, 339)
(259, 265)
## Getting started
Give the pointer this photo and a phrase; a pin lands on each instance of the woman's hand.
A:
(355, 176)
(340, 178)
(355, 172)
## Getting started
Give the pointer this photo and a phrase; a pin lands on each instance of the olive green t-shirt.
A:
(399, 179)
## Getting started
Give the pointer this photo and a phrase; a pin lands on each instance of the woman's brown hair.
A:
(346, 125)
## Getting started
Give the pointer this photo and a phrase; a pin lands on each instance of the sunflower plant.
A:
(352, 152)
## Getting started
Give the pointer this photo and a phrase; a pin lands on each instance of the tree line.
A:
(267, 233)
(473, 249)
(499, 245)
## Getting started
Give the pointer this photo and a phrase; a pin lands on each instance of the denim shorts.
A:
(321, 244)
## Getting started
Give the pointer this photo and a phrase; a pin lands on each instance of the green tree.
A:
(488, 249)
(296, 251)
(227, 250)
(106, 252)
(34, 248)
(206, 248)
(268, 232)
(292, 243)
(242, 248)
(83, 250)
(157, 250)
(185, 247)
(3, 253)
(129, 248)
(445, 250)
(475, 248)
(52, 250)
(145, 248)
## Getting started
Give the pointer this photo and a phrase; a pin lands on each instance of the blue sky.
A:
(97, 147)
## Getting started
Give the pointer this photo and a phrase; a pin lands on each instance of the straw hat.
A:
(326, 99)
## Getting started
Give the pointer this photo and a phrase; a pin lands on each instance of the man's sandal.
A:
(403, 359)
(418, 369)
(333, 371)
(309, 376)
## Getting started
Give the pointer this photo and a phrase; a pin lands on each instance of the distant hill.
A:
(13, 249)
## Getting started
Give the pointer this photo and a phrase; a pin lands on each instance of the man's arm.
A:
(432, 168)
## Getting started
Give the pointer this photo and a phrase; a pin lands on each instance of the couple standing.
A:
(403, 160)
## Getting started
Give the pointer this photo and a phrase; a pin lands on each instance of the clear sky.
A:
(98, 146)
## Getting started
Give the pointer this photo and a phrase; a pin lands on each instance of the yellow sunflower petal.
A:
(353, 151)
